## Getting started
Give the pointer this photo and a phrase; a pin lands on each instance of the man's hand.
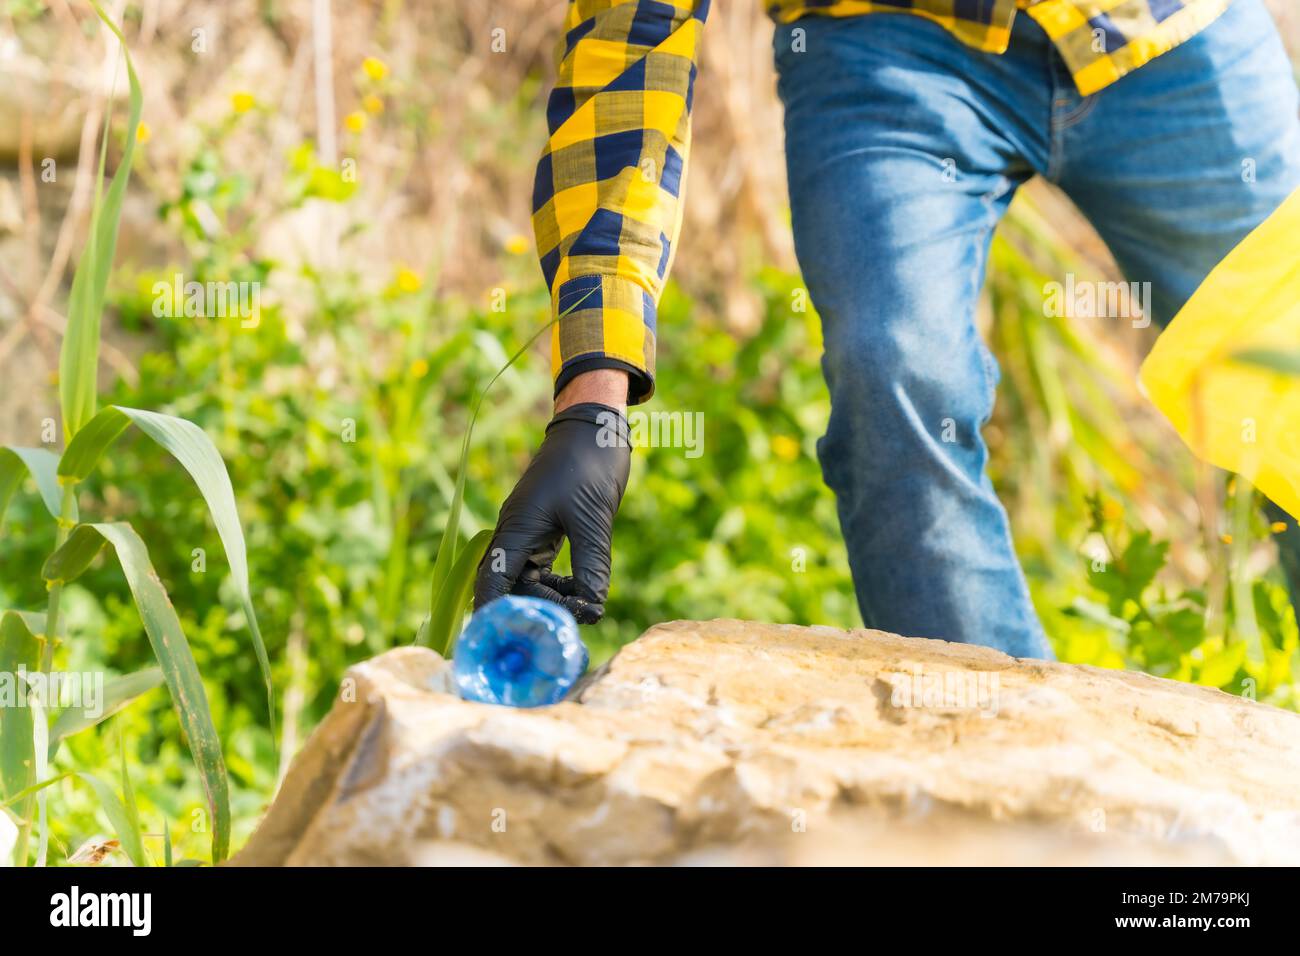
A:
(572, 488)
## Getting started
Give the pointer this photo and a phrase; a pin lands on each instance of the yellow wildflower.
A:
(1277, 527)
(517, 244)
(407, 280)
(356, 122)
(419, 368)
(785, 447)
(143, 133)
(375, 68)
(373, 104)
(242, 102)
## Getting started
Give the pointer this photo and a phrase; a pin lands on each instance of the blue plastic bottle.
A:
(520, 652)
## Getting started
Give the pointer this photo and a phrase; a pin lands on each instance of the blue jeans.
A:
(904, 148)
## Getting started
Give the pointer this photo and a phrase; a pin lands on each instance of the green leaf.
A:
(35, 621)
(72, 558)
(312, 180)
(444, 623)
(1127, 578)
(42, 464)
(1270, 616)
(1288, 363)
(134, 849)
(1185, 626)
(119, 692)
(446, 558)
(79, 355)
(41, 769)
(167, 843)
(1109, 580)
(190, 446)
(1088, 610)
(89, 444)
(1166, 636)
(22, 726)
(179, 670)
(20, 649)
(1219, 669)
(119, 816)
(36, 788)
(1142, 560)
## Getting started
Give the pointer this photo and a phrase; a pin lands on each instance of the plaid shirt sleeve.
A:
(606, 199)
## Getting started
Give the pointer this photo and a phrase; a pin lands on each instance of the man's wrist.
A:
(606, 386)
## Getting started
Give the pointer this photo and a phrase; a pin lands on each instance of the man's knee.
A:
(895, 408)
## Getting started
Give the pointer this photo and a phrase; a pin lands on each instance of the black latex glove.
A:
(571, 488)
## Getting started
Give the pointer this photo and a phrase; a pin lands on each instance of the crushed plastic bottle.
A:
(520, 652)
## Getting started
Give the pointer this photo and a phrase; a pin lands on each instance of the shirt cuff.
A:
(640, 386)
(606, 321)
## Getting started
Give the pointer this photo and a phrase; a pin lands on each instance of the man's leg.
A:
(1177, 162)
(904, 148)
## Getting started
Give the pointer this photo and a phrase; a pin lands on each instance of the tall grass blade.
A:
(444, 622)
(447, 547)
(20, 649)
(119, 816)
(41, 769)
(35, 789)
(135, 848)
(174, 655)
(119, 692)
(190, 446)
(79, 355)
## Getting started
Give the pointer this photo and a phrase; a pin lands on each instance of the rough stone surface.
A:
(730, 741)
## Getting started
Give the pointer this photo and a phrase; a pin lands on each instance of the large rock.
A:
(730, 741)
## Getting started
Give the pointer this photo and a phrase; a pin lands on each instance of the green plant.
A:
(28, 641)
(1157, 628)
(123, 812)
(1249, 649)
(1287, 363)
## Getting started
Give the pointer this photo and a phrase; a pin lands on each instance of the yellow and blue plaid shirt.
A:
(606, 199)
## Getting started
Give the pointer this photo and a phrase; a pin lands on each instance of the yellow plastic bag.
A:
(1232, 413)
